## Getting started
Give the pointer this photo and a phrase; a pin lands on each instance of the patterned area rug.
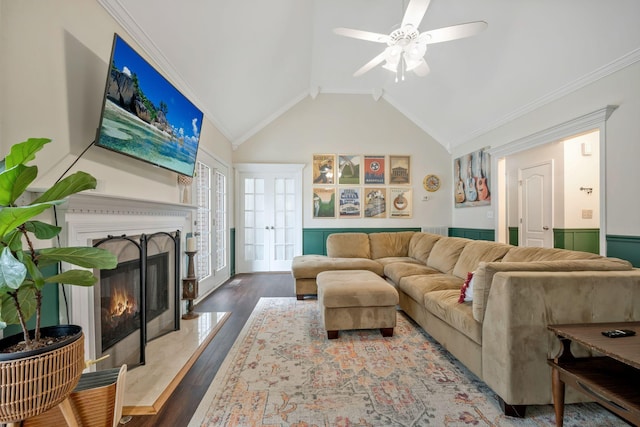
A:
(282, 371)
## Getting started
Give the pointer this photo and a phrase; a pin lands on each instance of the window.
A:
(221, 220)
(202, 226)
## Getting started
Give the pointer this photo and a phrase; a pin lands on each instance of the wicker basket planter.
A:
(32, 382)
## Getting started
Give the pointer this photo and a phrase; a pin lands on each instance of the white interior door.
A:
(270, 217)
(536, 206)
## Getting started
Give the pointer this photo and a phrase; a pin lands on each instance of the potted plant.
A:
(41, 367)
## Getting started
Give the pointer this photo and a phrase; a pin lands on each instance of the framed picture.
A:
(374, 168)
(324, 202)
(375, 202)
(399, 170)
(323, 166)
(349, 203)
(349, 169)
(472, 179)
(400, 202)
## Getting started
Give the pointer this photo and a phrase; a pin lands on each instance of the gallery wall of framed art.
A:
(348, 186)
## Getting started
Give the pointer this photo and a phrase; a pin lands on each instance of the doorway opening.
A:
(576, 150)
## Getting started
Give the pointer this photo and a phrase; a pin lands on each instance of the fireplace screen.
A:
(138, 300)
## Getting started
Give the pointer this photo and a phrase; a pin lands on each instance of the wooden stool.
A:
(96, 401)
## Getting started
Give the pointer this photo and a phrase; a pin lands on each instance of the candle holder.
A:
(190, 287)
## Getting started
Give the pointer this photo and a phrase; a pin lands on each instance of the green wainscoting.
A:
(473, 233)
(513, 236)
(577, 239)
(625, 247)
(50, 306)
(314, 240)
(232, 252)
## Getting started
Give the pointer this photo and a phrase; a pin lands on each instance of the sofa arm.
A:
(515, 340)
(483, 277)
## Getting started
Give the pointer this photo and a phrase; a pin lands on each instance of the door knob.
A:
(272, 227)
(545, 228)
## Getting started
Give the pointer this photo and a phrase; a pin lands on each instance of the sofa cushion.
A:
(523, 254)
(445, 253)
(421, 245)
(356, 288)
(476, 251)
(444, 305)
(308, 266)
(390, 244)
(397, 259)
(483, 276)
(398, 270)
(417, 286)
(348, 245)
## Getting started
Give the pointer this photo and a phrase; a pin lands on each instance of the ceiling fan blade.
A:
(452, 33)
(369, 65)
(422, 69)
(415, 12)
(362, 35)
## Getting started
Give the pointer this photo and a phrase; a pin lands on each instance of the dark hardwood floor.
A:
(239, 298)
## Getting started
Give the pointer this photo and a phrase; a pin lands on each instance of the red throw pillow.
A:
(465, 288)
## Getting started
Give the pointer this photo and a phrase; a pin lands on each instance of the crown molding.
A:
(580, 124)
(599, 73)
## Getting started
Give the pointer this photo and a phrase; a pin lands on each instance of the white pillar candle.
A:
(191, 244)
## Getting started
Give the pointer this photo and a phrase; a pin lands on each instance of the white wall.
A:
(622, 148)
(354, 124)
(54, 67)
(581, 171)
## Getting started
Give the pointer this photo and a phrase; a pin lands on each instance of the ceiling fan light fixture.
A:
(407, 46)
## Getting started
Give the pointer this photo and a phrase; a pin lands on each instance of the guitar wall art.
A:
(472, 177)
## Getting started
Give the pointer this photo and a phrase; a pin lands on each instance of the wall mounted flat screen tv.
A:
(146, 117)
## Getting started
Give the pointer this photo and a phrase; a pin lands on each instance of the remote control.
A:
(618, 333)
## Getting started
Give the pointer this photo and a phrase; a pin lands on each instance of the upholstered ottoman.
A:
(356, 299)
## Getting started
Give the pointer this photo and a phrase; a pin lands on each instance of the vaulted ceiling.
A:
(245, 62)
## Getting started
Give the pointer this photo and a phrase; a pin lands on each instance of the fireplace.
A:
(147, 232)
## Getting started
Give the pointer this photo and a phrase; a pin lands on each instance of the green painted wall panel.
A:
(625, 247)
(513, 236)
(473, 233)
(314, 240)
(232, 252)
(50, 306)
(577, 239)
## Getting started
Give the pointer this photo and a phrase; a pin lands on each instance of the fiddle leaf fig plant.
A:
(22, 274)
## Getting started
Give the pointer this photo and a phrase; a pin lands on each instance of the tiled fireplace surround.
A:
(88, 217)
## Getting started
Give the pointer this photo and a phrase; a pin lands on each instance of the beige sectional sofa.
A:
(501, 335)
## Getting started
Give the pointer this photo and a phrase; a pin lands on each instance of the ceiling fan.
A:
(407, 46)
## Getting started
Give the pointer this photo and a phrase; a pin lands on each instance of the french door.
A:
(269, 216)
(211, 224)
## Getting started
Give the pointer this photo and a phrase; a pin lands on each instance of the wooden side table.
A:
(190, 287)
(612, 380)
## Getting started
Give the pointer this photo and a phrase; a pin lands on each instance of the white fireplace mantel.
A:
(88, 217)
